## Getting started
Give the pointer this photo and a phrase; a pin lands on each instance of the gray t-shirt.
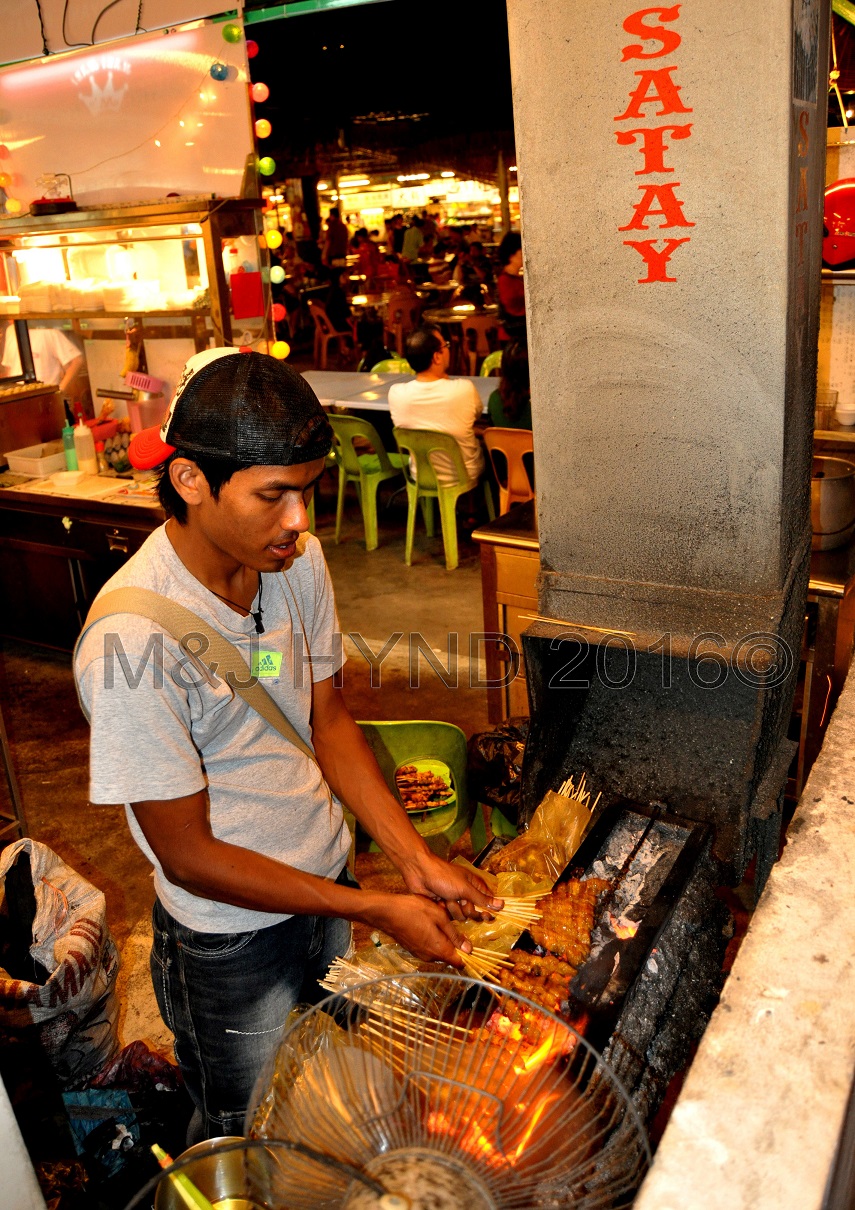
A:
(161, 729)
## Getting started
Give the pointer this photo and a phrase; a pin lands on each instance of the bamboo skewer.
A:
(483, 963)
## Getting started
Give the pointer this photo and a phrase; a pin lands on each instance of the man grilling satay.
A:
(242, 825)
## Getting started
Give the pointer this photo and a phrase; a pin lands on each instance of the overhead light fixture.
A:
(446, 174)
(415, 176)
(512, 168)
(349, 181)
(323, 186)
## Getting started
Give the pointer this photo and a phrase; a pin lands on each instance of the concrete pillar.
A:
(671, 173)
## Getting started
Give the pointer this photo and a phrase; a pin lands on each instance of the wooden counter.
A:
(56, 552)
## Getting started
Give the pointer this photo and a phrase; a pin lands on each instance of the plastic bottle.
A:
(68, 440)
(103, 468)
(84, 447)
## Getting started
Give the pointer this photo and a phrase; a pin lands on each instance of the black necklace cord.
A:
(255, 614)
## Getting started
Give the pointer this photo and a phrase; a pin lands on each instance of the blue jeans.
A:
(226, 997)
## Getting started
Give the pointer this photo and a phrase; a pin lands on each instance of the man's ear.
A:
(188, 481)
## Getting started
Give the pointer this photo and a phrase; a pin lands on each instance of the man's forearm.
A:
(228, 873)
(70, 373)
(351, 770)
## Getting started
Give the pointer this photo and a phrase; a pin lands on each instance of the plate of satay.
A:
(425, 785)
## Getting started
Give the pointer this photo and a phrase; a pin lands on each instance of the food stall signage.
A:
(656, 86)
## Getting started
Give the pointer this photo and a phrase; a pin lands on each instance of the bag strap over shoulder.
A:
(221, 657)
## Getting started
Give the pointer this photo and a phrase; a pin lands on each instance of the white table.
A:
(370, 392)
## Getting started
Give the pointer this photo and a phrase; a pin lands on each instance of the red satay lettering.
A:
(801, 232)
(804, 134)
(670, 207)
(653, 146)
(802, 195)
(634, 24)
(654, 86)
(655, 259)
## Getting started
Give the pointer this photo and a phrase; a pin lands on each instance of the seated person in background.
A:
(57, 360)
(440, 404)
(510, 289)
(479, 264)
(336, 304)
(510, 405)
(389, 272)
(369, 337)
(370, 259)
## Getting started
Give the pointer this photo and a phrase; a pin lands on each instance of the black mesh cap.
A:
(249, 407)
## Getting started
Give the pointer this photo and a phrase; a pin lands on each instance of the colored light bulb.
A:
(279, 312)
(251, 48)
(277, 275)
(218, 71)
(280, 349)
(274, 238)
(260, 92)
(13, 206)
(262, 128)
(266, 166)
(232, 33)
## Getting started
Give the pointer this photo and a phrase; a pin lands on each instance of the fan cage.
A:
(484, 1079)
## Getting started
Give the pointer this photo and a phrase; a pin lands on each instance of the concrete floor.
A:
(377, 596)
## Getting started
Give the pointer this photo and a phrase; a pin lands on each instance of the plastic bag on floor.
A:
(494, 763)
(58, 961)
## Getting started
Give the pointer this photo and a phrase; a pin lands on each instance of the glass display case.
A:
(168, 268)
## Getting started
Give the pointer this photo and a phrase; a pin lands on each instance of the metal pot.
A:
(219, 1175)
(832, 502)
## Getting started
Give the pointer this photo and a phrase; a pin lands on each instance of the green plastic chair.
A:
(491, 362)
(367, 471)
(402, 743)
(393, 365)
(425, 488)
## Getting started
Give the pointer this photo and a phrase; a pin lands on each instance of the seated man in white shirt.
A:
(440, 404)
(57, 360)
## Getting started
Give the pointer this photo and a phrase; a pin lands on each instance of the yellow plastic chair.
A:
(442, 749)
(366, 470)
(426, 488)
(511, 454)
(491, 363)
(393, 365)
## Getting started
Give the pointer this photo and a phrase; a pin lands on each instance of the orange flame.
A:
(551, 1047)
(538, 1112)
(623, 927)
(473, 1139)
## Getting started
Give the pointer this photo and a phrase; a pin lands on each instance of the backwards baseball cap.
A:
(244, 406)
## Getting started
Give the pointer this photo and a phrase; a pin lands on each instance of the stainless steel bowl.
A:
(220, 1175)
(832, 502)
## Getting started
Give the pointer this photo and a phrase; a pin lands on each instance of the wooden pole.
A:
(503, 194)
